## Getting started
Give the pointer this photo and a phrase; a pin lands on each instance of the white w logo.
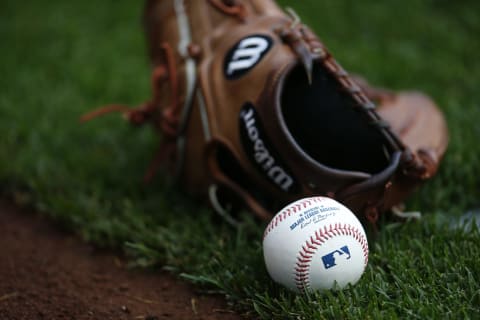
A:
(248, 52)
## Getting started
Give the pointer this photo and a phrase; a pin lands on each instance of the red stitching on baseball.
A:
(290, 210)
(305, 256)
(301, 253)
(309, 252)
(304, 265)
(302, 269)
(314, 241)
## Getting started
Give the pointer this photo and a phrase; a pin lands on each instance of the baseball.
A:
(313, 244)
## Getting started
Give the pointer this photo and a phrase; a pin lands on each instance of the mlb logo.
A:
(329, 259)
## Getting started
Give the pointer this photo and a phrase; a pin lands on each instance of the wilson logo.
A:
(260, 152)
(245, 55)
(329, 259)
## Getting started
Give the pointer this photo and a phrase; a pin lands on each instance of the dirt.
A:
(48, 274)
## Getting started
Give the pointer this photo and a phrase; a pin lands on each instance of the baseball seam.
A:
(305, 255)
(290, 210)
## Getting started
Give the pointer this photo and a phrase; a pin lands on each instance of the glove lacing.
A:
(168, 121)
(230, 7)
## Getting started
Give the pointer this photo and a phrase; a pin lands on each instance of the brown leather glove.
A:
(255, 112)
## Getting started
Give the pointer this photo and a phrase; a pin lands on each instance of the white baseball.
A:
(313, 243)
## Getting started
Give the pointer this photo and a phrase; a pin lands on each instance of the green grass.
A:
(59, 59)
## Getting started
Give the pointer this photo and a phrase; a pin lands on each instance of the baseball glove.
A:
(255, 112)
